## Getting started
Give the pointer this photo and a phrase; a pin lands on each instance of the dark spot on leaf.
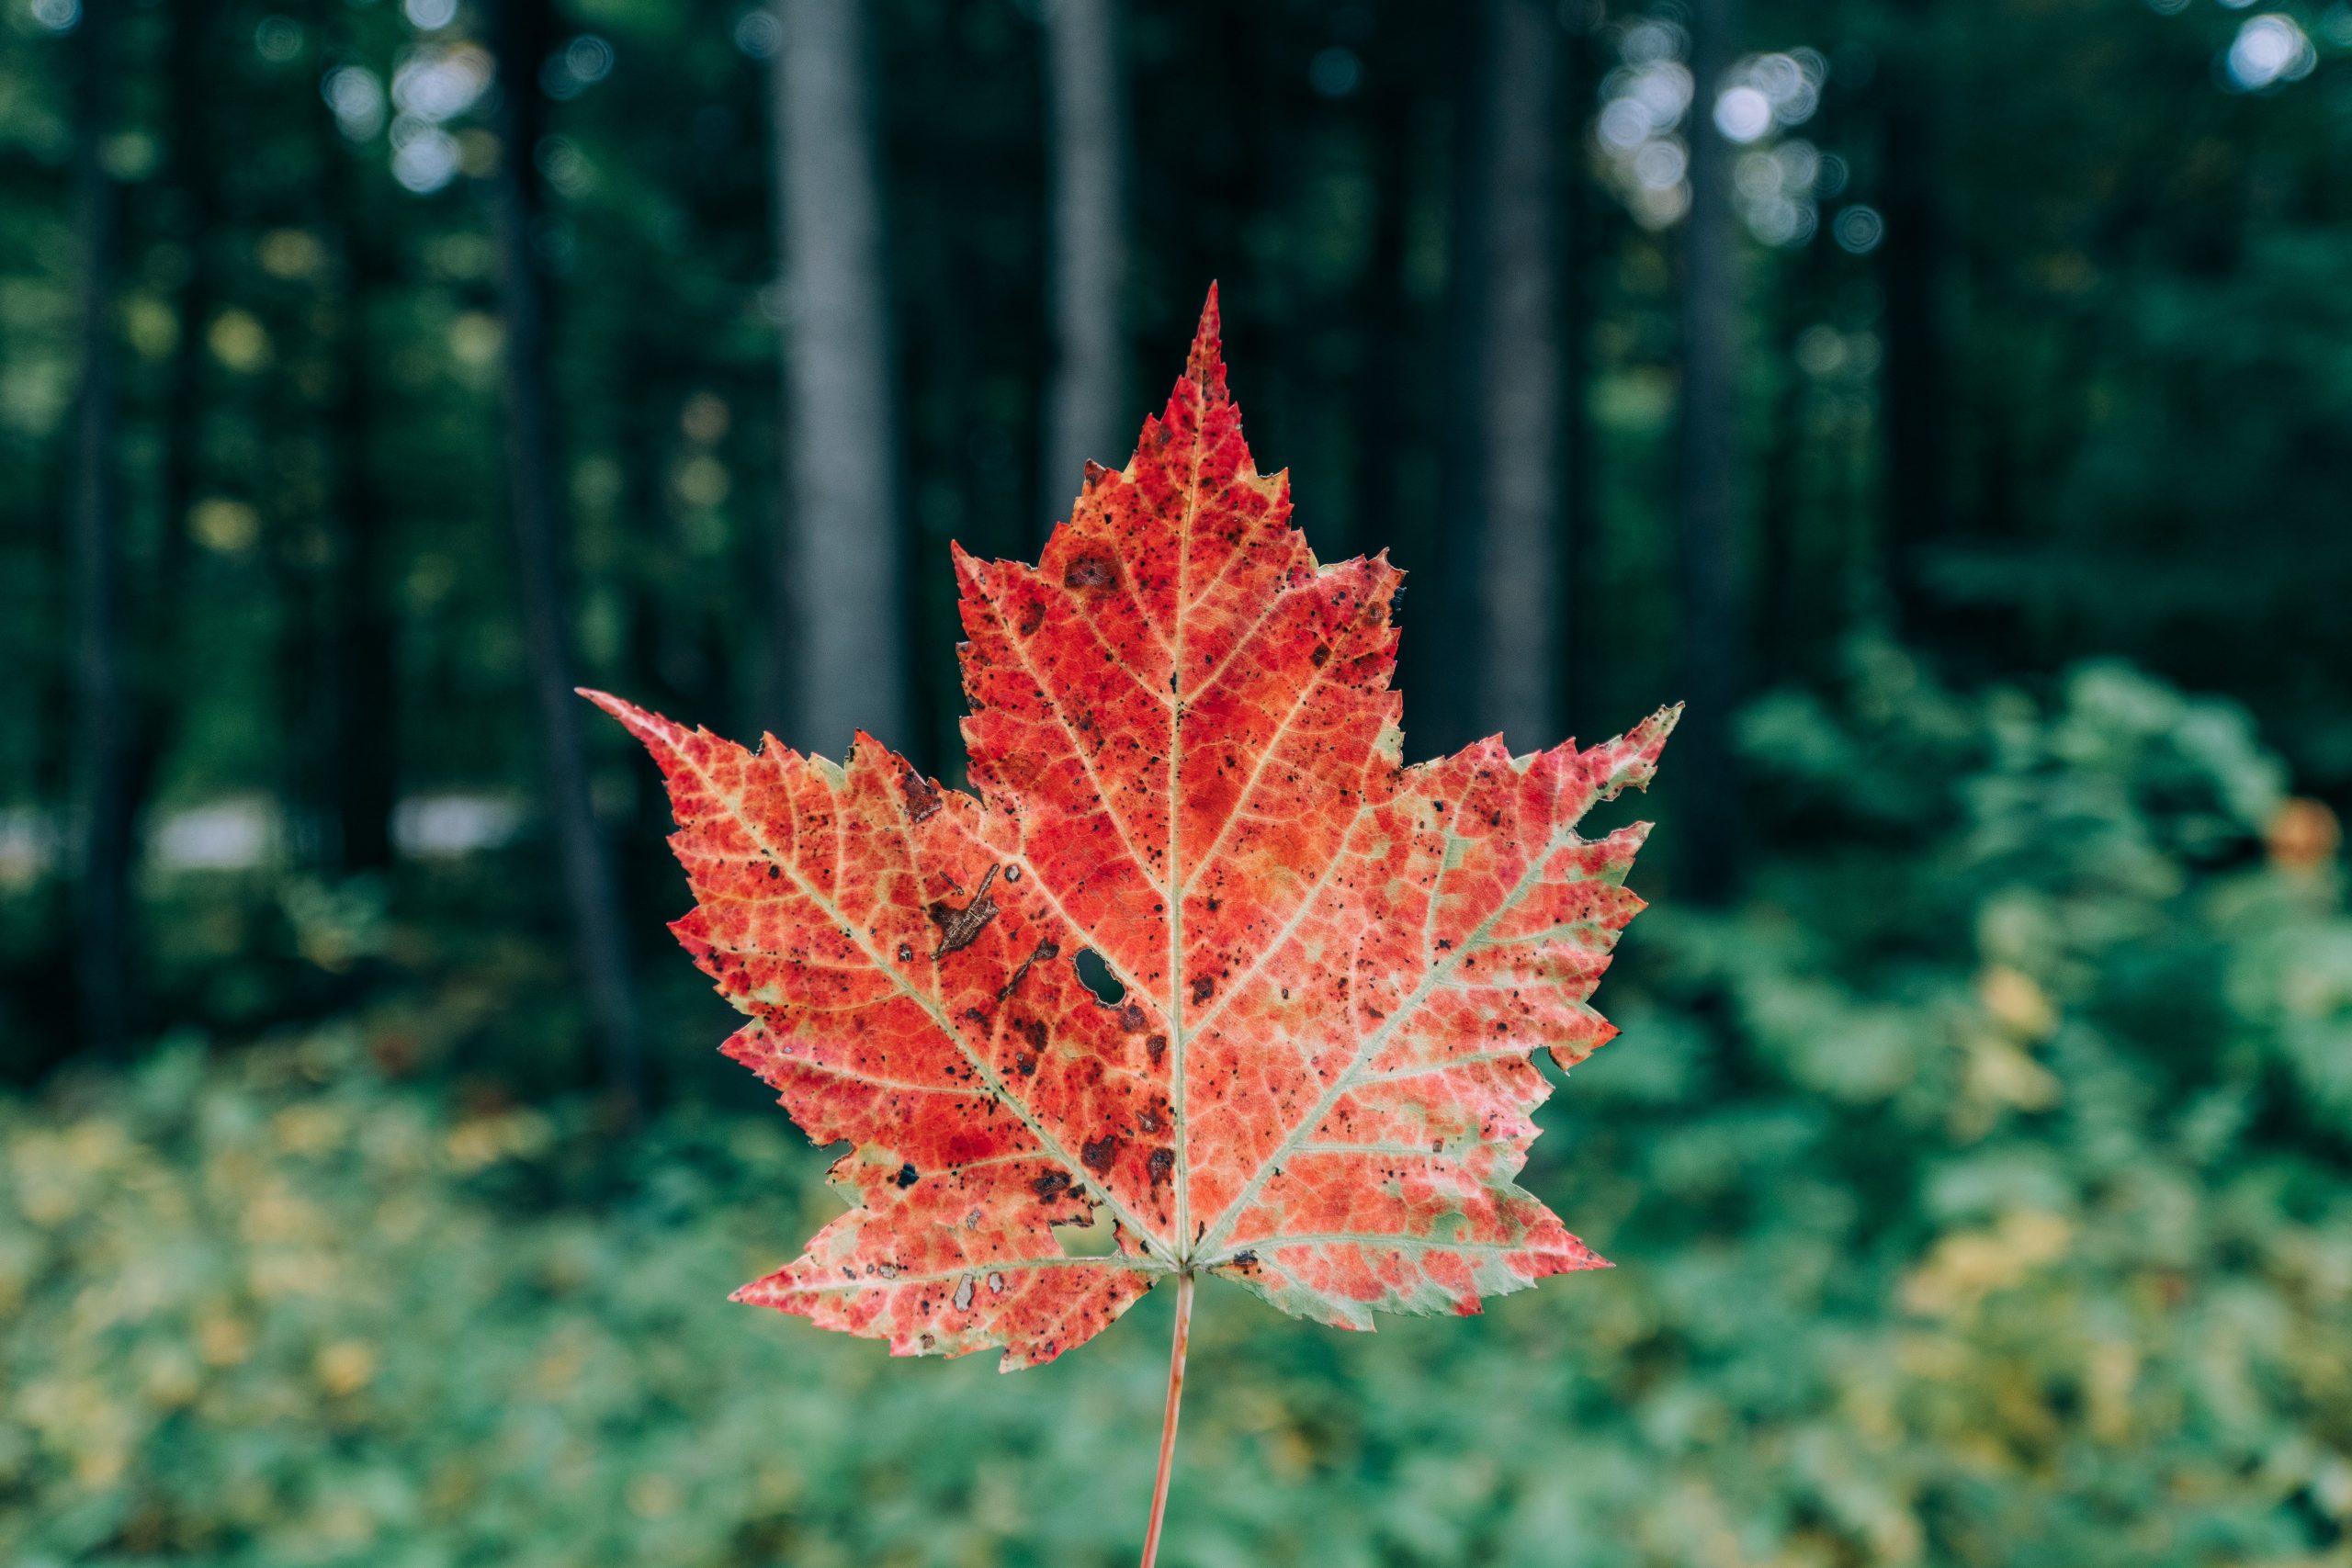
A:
(1051, 1185)
(1161, 1163)
(1091, 570)
(1201, 990)
(1042, 951)
(1100, 1153)
(1245, 1258)
(906, 1176)
(1156, 1047)
(1322, 651)
(923, 796)
(1033, 615)
(959, 928)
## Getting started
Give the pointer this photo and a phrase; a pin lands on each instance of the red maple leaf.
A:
(1318, 1082)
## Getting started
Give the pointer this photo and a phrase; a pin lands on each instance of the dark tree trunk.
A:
(1581, 245)
(1706, 451)
(103, 818)
(601, 954)
(1917, 481)
(842, 663)
(955, 311)
(1440, 600)
(195, 186)
(1519, 454)
(1381, 414)
(363, 639)
(1086, 140)
(1793, 611)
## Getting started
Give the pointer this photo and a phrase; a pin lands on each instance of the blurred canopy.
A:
(2034, 348)
(1934, 390)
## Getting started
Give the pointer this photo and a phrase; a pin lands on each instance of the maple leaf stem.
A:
(1168, 1421)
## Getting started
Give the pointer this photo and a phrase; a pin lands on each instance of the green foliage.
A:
(1979, 1191)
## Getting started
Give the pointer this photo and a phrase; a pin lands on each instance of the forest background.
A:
(1952, 401)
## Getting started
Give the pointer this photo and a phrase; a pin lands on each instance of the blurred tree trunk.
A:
(1583, 213)
(1711, 632)
(953, 307)
(1792, 610)
(1086, 122)
(600, 953)
(1918, 510)
(1517, 603)
(1380, 414)
(363, 693)
(103, 817)
(194, 185)
(842, 662)
(1442, 596)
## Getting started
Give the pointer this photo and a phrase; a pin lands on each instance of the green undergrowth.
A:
(1981, 1189)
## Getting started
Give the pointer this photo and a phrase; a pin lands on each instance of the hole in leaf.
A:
(1099, 979)
(1099, 1238)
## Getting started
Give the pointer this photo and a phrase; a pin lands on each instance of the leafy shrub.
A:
(1979, 1187)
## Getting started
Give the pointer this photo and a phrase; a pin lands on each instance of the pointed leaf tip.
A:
(643, 723)
(620, 708)
(1205, 363)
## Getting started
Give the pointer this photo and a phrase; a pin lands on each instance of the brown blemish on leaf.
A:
(1091, 570)
(923, 796)
(959, 929)
(1044, 950)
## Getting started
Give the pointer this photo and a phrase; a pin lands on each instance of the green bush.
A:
(1979, 1187)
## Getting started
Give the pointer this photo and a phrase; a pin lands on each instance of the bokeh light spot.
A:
(1335, 73)
(2269, 49)
(1858, 230)
(1743, 114)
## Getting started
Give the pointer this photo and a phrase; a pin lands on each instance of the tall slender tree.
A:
(1519, 457)
(1086, 142)
(1705, 441)
(363, 687)
(1379, 416)
(1588, 221)
(190, 72)
(842, 656)
(103, 816)
(1441, 604)
(520, 44)
(1917, 493)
